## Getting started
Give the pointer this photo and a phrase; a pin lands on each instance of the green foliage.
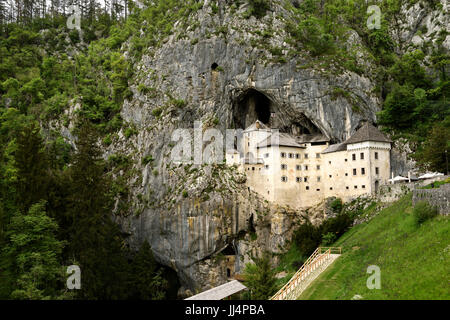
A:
(260, 278)
(34, 255)
(311, 32)
(392, 241)
(337, 205)
(258, 8)
(328, 239)
(423, 211)
(147, 282)
(435, 151)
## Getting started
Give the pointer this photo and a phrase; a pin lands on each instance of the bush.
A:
(336, 205)
(328, 238)
(337, 226)
(308, 238)
(423, 211)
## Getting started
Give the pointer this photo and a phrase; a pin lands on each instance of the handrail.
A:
(317, 256)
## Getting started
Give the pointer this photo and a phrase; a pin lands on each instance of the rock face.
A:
(220, 71)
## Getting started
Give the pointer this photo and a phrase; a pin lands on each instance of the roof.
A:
(335, 148)
(220, 292)
(284, 140)
(258, 125)
(367, 133)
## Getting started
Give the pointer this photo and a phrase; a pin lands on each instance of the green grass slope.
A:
(414, 260)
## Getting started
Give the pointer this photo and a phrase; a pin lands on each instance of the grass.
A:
(414, 260)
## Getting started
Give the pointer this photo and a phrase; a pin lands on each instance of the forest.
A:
(56, 200)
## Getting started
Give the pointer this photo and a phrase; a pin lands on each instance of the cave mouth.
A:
(254, 105)
(251, 106)
(229, 250)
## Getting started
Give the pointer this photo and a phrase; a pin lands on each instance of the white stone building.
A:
(301, 171)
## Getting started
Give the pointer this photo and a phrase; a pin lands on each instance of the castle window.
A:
(291, 155)
(356, 187)
(253, 168)
(307, 188)
(377, 170)
(362, 156)
(354, 157)
(306, 168)
(346, 160)
(376, 155)
(318, 167)
(283, 154)
(363, 186)
(306, 179)
(284, 179)
(331, 176)
(363, 171)
(317, 189)
(283, 167)
(266, 167)
(346, 174)
(317, 155)
(329, 162)
(306, 156)
(298, 179)
(354, 172)
(266, 155)
(318, 179)
(331, 188)
(297, 156)
(347, 188)
(298, 167)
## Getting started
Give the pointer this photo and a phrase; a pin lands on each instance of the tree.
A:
(95, 240)
(32, 167)
(33, 255)
(260, 278)
(147, 281)
(434, 152)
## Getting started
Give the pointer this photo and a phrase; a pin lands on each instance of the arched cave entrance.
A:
(252, 106)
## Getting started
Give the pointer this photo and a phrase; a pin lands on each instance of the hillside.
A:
(414, 261)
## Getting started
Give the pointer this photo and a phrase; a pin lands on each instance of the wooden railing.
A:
(317, 258)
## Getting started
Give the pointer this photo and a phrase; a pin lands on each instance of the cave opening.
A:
(252, 106)
(251, 225)
(229, 250)
(214, 66)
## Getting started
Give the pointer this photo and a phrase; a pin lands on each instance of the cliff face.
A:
(216, 71)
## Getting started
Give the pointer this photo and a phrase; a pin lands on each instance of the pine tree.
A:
(95, 240)
(147, 281)
(32, 167)
(260, 278)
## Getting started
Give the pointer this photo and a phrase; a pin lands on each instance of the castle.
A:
(301, 171)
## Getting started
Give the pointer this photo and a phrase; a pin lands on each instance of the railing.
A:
(317, 258)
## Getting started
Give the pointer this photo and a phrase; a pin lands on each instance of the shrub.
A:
(328, 238)
(423, 211)
(336, 205)
(185, 194)
(337, 226)
(308, 238)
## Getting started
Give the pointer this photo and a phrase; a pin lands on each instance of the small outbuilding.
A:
(221, 292)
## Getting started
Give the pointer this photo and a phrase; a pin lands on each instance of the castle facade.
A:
(302, 171)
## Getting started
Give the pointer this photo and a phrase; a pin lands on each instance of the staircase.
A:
(311, 269)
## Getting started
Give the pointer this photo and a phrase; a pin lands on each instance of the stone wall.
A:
(439, 198)
(393, 192)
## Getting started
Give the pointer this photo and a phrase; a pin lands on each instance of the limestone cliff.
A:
(226, 70)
